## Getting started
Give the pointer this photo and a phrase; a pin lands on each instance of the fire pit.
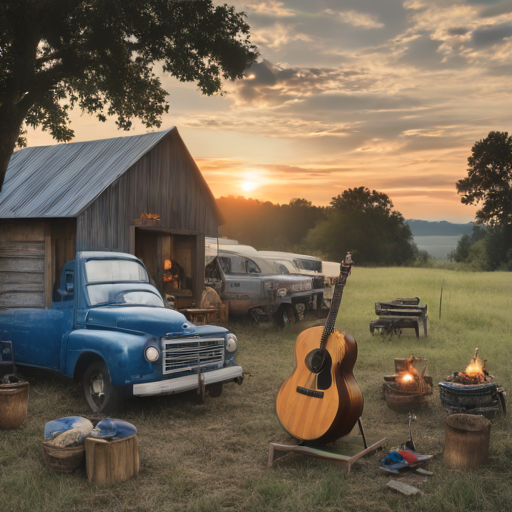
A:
(409, 387)
(473, 391)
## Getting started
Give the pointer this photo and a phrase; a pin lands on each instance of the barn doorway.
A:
(171, 262)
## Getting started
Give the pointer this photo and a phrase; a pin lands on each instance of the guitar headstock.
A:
(345, 268)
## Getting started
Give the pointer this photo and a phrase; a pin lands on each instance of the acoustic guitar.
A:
(321, 400)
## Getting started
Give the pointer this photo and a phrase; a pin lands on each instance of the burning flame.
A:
(171, 274)
(475, 367)
(410, 380)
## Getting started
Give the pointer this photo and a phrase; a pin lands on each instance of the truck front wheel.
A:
(99, 392)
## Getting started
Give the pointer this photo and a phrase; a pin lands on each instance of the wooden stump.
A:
(13, 404)
(110, 462)
(466, 442)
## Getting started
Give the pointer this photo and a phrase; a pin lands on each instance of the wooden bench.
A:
(391, 324)
(387, 309)
(412, 301)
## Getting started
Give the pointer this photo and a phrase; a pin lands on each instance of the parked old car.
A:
(303, 264)
(255, 286)
(108, 328)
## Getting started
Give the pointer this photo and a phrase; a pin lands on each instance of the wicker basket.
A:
(404, 402)
(63, 459)
(13, 404)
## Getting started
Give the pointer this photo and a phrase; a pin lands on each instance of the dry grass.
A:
(213, 457)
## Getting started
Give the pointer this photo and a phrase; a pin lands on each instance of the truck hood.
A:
(150, 320)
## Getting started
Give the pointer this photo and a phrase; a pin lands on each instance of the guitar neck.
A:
(336, 301)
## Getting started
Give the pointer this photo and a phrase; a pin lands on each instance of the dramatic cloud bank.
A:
(386, 94)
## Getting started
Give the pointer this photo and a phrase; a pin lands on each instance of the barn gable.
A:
(90, 196)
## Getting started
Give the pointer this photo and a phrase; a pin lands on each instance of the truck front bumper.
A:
(171, 386)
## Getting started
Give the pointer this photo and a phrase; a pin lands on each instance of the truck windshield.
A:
(114, 294)
(112, 271)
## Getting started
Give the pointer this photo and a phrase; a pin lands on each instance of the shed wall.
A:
(164, 181)
(32, 253)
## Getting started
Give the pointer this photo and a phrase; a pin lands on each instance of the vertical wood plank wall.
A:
(165, 181)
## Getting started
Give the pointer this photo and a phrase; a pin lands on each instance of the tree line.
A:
(364, 222)
(358, 220)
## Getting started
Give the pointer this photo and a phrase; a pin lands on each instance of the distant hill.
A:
(442, 228)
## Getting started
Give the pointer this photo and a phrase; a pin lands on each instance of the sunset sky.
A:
(388, 94)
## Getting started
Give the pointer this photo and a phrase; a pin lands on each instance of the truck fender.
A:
(122, 352)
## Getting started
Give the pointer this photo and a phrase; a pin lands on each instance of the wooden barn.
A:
(97, 196)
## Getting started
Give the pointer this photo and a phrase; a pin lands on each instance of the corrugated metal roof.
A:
(62, 180)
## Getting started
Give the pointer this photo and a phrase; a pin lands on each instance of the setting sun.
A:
(247, 186)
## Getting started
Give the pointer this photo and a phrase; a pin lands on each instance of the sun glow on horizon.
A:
(248, 186)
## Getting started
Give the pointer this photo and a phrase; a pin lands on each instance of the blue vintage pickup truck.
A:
(108, 328)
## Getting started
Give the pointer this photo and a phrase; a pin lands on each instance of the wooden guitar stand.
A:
(342, 453)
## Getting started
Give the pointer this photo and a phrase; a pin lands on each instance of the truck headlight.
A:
(231, 343)
(152, 354)
(282, 292)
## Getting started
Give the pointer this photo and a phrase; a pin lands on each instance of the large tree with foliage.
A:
(489, 179)
(100, 55)
(364, 222)
(489, 183)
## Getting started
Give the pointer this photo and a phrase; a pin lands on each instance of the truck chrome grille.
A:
(184, 354)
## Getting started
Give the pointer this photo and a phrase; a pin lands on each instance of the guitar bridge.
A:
(310, 392)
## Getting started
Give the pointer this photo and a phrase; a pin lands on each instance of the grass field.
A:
(213, 456)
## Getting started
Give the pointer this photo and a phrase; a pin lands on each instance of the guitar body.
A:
(321, 407)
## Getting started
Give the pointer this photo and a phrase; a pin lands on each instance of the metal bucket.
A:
(13, 404)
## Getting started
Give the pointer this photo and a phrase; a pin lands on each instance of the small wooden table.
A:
(200, 316)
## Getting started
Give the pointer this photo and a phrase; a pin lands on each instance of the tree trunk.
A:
(10, 124)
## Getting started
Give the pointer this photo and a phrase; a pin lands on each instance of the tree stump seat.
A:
(110, 462)
(466, 442)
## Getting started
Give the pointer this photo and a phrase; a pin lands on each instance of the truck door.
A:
(37, 333)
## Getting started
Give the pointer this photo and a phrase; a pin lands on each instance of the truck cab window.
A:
(251, 267)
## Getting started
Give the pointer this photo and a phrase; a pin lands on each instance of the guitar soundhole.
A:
(324, 380)
(315, 360)
(319, 362)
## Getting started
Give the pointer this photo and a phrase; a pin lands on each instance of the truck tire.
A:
(285, 316)
(99, 392)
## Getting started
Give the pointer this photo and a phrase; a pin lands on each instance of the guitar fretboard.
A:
(335, 304)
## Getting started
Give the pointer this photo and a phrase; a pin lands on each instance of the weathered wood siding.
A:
(22, 263)
(32, 253)
(166, 181)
